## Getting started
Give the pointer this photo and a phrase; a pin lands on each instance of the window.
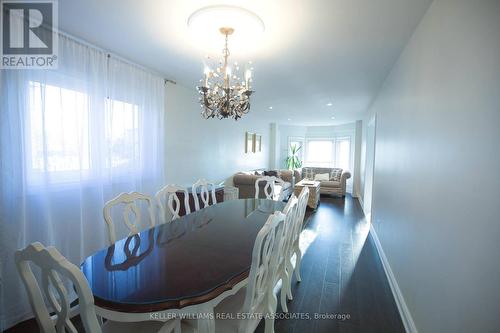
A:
(122, 133)
(58, 129)
(331, 152)
(298, 142)
(319, 153)
(67, 134)
(343, 153)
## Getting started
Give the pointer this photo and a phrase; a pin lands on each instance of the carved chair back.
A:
(55, 270)
(261, 276)
(207, 190)
(172, 201)
(269, 187)
(130, 201)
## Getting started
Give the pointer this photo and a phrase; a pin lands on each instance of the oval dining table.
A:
(182, 268)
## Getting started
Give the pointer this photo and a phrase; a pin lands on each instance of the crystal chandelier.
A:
(223, 93)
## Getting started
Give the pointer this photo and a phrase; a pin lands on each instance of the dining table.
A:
(179, 269)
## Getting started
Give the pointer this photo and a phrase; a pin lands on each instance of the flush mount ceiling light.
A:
(223, 92)
(207, 21)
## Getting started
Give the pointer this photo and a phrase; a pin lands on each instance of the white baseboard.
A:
(360, 199)
(406, 317)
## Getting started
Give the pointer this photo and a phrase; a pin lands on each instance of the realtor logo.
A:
(28, 34)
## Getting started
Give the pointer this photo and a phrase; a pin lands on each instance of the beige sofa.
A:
(245, 182)
(334, 185)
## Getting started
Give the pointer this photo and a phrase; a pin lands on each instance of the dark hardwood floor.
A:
(341, 276)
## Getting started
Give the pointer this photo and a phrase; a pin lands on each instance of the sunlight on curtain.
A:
(70, 140)
(57, 132)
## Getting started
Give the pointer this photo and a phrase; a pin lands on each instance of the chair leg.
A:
(289, 272)
(284, 292)
(172, 326)
(272, 304)
(269, 324)
(298, 255)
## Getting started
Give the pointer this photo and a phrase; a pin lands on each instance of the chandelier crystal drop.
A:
(224, 93)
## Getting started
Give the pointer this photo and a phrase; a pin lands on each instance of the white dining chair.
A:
(284, 271)
(207, 190)
(129, 200)
(269, 188)
(172, 202)
(57, 274)
(254, 299)
(299, 223)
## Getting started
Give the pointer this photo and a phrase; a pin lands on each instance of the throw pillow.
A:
(309, 173)
(321, 176)
(335, 175)
(272, 173)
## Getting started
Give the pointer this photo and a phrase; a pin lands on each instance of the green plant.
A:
(292, 161)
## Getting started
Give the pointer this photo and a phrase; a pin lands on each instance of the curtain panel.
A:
(70, 140)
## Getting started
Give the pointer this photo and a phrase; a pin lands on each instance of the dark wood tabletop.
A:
(188, 261)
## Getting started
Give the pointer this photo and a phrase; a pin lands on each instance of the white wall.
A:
(212, 149)
(369, 164)
(274, 144)
(356, 176)
(436, 188)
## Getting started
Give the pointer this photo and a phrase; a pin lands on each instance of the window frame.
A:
(309, 163)
(67, 178)
(351, 155)
(37, 177)
(299, 139)
(334, 162)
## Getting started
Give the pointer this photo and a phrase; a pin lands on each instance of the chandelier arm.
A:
(224, 100)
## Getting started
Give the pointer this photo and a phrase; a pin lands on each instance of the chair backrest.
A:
(170, 193)
(290, 211)
(261, 274)
(269, 188)
(205, 188)
(130, 201)
(301, 211)
(54, 268)
(290, 204)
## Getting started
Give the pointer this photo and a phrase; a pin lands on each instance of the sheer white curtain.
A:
(71, 139)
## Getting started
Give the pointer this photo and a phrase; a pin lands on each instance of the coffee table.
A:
(314, 188)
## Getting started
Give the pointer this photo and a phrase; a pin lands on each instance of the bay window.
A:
(329, 152)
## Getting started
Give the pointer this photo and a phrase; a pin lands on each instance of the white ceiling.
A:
(312, 52)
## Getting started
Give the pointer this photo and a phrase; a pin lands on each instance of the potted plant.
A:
(292, 161)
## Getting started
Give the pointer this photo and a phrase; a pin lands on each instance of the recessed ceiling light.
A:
(329, 104)
(270, 108)
(333, 117)
(289, 119)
